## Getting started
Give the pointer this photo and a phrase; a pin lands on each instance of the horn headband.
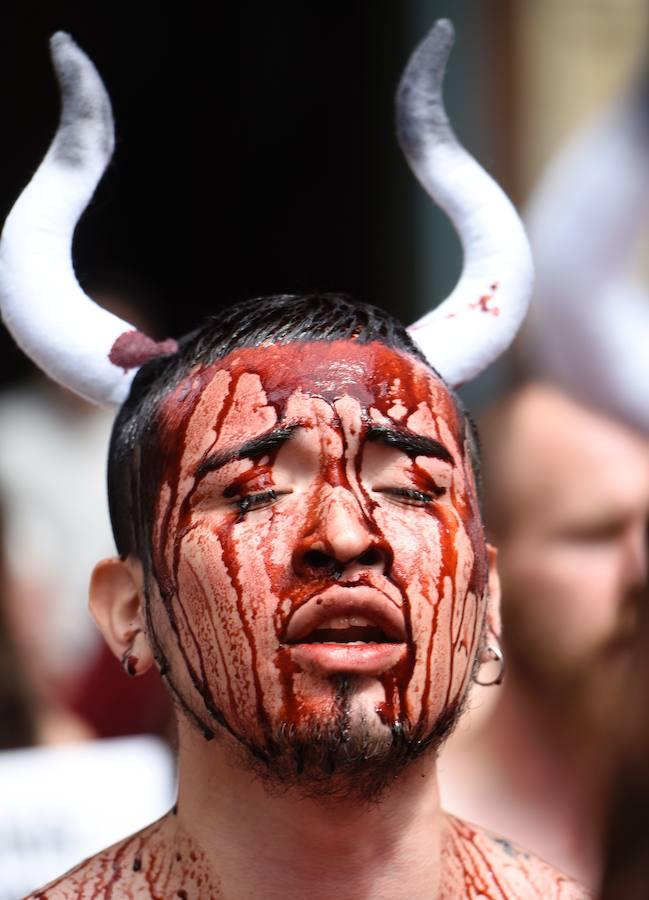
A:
(96, 354)
(589, 321)
(480, 318)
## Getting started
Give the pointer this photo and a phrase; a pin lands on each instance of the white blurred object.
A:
(41, 301)
(63, 804)
(478, 321)
(53, 492)
(588, 323)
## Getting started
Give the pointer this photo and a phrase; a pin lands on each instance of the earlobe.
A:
(491, 651)
(117, 606)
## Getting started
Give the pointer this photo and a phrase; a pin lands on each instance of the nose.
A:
(341, 537)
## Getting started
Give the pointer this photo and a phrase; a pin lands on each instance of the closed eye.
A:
(411, 496)
(250, 502)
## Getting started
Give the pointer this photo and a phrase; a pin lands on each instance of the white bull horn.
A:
(75, 341)
(588, 326)
(480, 318)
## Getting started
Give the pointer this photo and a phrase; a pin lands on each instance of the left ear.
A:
(117, 606)
(493, 594)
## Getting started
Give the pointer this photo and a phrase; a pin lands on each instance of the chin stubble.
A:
(347, 756)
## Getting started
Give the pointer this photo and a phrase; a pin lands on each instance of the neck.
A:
(546, 734)
(552, 769)
(304, 847)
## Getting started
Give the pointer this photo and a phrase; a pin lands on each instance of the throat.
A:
(393, 843)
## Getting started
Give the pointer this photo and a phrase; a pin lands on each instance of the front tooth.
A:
(349, 643)
(345, 622)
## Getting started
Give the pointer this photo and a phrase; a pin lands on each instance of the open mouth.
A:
(355, 630)
(354, 615)
(349, 630)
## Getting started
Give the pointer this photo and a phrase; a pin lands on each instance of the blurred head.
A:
(567, 500)
(302, 549)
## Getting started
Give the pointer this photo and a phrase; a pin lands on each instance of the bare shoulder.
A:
(117, 866)
(154, 862)
(491, 866)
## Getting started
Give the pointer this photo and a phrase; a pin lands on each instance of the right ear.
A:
(117, 603)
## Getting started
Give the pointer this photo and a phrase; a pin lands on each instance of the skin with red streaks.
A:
(492, 868)
(159, 862)
(237, 568)
(162, 862)
(231, 581)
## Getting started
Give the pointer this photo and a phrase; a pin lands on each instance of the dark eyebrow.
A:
(252, 449)
(411, 443)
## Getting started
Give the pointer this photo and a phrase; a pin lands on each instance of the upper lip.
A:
(353, 601)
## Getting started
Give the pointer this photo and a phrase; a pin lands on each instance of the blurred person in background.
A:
(46, 492)
(53, 505)
(17, 717)
(626, 867)
(566, 471)
(60, 689)
(567, 504)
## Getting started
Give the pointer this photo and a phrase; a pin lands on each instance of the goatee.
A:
(347, 756)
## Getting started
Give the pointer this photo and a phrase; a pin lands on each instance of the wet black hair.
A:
(134, 461)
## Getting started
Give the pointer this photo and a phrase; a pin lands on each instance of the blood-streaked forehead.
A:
(249, 391)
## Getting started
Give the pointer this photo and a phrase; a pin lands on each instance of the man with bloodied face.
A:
(317, 574)
(301, 554)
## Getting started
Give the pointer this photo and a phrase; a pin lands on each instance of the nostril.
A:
(315, 559)
(370, 557)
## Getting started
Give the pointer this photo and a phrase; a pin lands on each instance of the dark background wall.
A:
(256, 154)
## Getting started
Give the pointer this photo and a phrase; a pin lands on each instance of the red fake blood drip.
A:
(333, 472)
(278, 377)
(479, 872)
(231, 563)
(280, 370)
(261, 475)
(263, 478)
(176, 418)
(482, 303)
(292, 710)
(132, 349)
(183, 527)
(422, 480)
(447, 532)
(148, 864)
(394, 709)
(227, 540)
(395, 682)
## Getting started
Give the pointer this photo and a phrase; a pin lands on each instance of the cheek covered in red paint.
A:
(231, 576)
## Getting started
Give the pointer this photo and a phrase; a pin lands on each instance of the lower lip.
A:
(360, 659)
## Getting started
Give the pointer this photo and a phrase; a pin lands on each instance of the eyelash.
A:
(255, 501)
(411, 496)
